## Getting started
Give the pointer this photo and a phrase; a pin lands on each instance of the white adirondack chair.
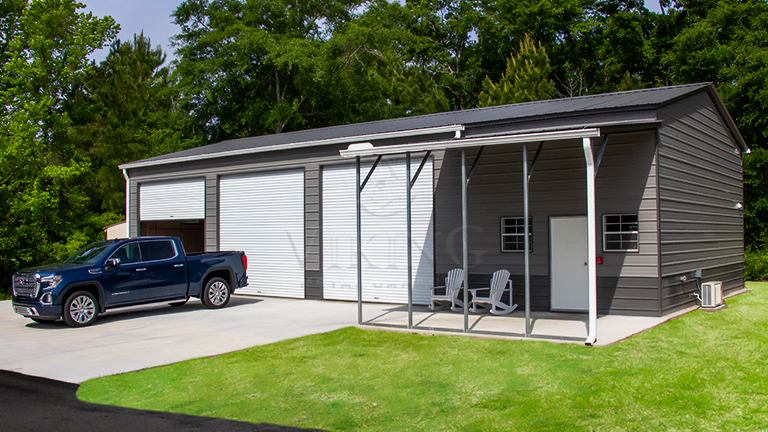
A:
(500, 283)
(449, 292)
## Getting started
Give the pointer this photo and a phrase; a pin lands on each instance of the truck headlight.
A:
(49, 282)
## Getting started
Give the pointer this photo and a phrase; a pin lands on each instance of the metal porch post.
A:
(526, 245)
(591, 241)
(359, 245)
(410, 253)
(464, 246)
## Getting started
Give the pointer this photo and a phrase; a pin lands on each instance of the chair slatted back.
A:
(498, 282)
(455, 279)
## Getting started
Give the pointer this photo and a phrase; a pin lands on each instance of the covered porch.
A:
(523, 323)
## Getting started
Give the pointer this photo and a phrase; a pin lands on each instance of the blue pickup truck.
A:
(126, 272)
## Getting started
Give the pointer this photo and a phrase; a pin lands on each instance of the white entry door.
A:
(568, 269)
(263, 215)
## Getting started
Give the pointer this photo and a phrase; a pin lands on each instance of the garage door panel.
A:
(172, 200)
(384, 234)
(263, 215)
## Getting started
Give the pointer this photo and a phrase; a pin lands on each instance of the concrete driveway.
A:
(135, 338)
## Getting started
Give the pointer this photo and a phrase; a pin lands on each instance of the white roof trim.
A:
(356, 149)
(296, 145)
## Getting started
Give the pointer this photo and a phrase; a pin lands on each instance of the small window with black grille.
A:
(513, 234)
(620, 232)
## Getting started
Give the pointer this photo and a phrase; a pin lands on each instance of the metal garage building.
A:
(666, 201)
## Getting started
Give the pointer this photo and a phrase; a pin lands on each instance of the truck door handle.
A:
(178, 265)
(140, 269)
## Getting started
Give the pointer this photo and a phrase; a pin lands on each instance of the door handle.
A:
(140, 269)
(178, 265)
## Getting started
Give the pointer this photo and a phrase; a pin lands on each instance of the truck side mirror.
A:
(111, 263)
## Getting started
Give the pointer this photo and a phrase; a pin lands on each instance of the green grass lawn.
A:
(704, 371)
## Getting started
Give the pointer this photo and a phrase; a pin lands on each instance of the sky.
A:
(154, 18)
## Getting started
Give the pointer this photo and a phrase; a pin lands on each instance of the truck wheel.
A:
(216, 293)
(80, 309)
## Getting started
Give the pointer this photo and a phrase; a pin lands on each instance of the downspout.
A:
(591, 242)
(127, 203)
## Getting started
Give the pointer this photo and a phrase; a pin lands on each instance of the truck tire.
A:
(80, 309)
(216, 293)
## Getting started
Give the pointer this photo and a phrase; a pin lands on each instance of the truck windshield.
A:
(90, 254)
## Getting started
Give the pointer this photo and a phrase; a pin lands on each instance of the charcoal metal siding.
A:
(700, 183)
(313, 287)
(211, 213)
(133, 229)
(626, 183)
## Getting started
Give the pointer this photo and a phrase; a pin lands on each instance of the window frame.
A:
(173, 245)
(503, 234)
(636, 232)
(138, 244)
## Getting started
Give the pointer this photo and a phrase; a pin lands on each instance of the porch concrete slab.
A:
(556, 327)
(135, 338)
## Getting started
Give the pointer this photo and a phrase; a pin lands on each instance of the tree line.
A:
(255, 67)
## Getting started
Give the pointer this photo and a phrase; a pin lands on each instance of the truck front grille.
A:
(25, 285)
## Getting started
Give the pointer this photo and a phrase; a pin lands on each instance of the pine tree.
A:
(526, 78)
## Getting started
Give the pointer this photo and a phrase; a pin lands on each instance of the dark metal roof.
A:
(645, 98)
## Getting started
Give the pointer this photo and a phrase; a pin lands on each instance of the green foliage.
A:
(756, 265)
(631, 82)
(756, 198)
(525, 80)
(123, 110)
(726, 42)
(362, 380)
(42, 206)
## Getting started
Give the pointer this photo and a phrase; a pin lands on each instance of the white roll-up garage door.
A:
(172, 200)
(263, 215)
(384, 235)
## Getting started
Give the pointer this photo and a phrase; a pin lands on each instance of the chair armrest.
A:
(432, 290)
(475, 290)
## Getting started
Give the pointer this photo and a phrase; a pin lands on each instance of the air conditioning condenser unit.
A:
(711, 295)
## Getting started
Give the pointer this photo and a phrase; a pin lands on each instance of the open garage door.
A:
(172, 200)
(384, 235)
(263, 215)
(174, 208)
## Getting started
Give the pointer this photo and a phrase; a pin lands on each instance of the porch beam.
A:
(474, 164)
(591, 242)
(367, 149)
(421, 166)
(370, 173)
(600, 153)
(535, 158)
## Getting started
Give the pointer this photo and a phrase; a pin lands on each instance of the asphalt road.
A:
(30, 403)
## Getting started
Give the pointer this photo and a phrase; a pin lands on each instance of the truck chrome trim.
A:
(26, 311)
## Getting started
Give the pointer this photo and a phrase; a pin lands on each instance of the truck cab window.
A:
(128, 254)
(157, 250)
